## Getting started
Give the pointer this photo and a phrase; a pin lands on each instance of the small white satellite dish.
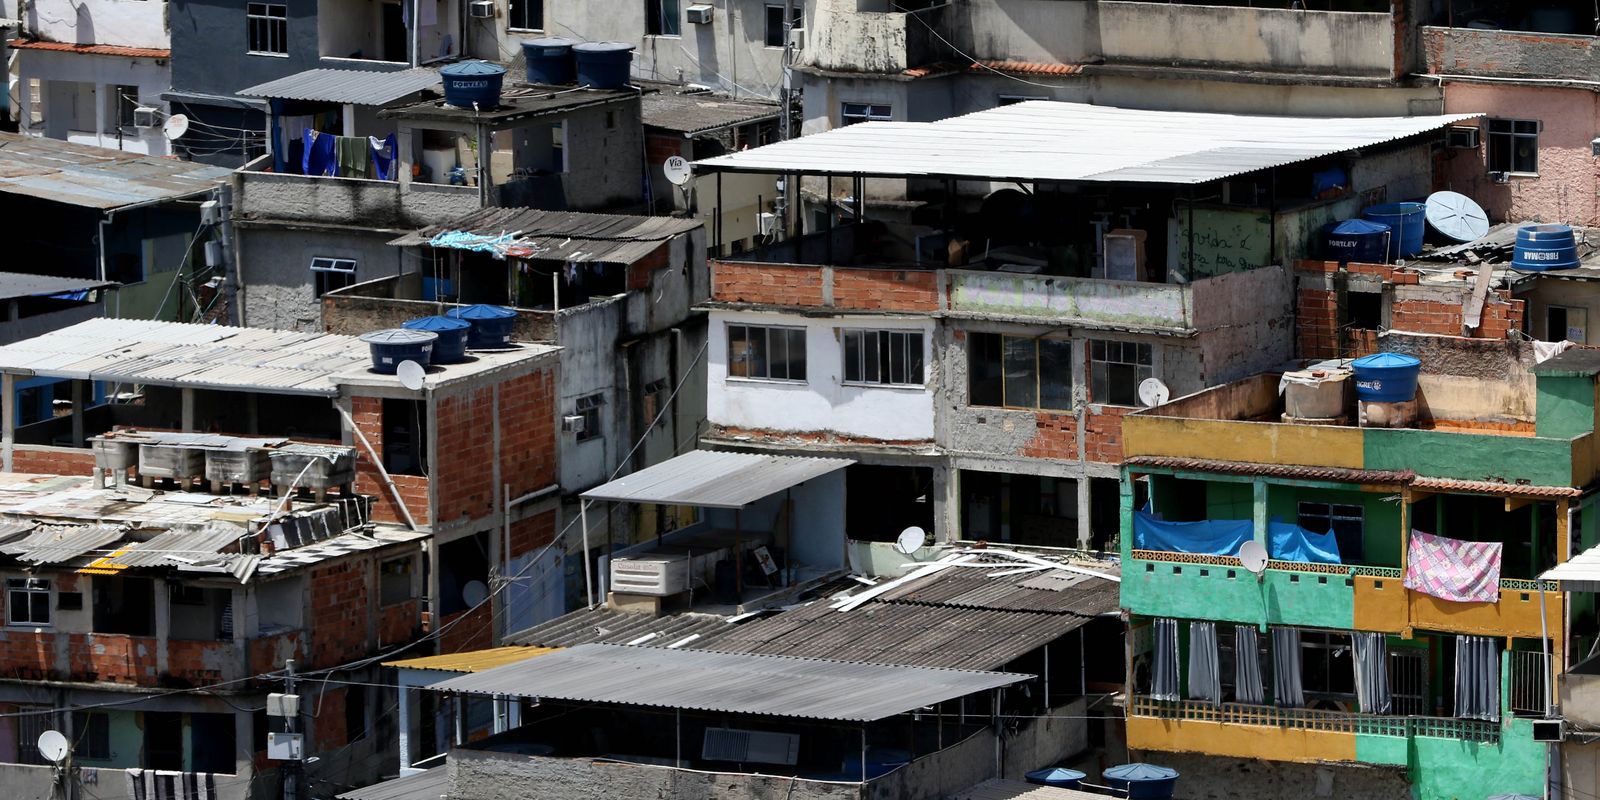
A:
(910, 540)
(411, 374)
(53, 746)
(1254, 557)
(474, 593)
(176, 126)
(1152, 392)
(676, 169)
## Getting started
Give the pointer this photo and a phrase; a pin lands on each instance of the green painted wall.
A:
(1469, 456)
(127, 742)
(1381, 518)
(1565, 406)
(1229, 500)
(1199, 591)
(1449, 769)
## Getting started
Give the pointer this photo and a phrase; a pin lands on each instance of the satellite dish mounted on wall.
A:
(176, 126)
(676, 168)
(1152, 392)
(53, 746)
(411, 374)
(910, 540)
(474, 593)
(1254, 557)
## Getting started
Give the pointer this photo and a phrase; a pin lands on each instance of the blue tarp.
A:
(1290, 542)
(1217, 537)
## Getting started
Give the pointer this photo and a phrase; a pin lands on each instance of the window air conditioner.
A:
(1499, 177)
(651, 574)
(1549, 730)
(699, 14)
(573, 423)
(146, 117)
(797, 38)
(481, 9)
(1462, 137)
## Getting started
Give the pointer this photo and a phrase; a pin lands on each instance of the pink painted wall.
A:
(1569, 173)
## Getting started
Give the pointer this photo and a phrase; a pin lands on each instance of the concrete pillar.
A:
(407, 697)
(77, 413)
(163, 624)
(1260, 512)
(100, 90)
(947, 522)
(188, 408)
(8, 419)
(403, 157)
(1085, 510)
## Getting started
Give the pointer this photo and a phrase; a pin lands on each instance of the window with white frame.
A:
(765, 352)
(27, 601)
(1116, 369)
(776, 36)
(329, 274)
(851, 113)
(892, 358)
(663, 18)
(268, 25)
(527, 15)
(1514, 146)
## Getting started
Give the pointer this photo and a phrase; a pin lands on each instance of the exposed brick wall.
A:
(329, 725)
(399, 623)
(809, 437)
(463, 481)
(112, 658)
(339, 611)
(1317, 330)
(367, 412)
(528, 432)
(766, 284)
(528, 535)
(1500, 315)
(1103, 433)
(269, 653)
(476, 632)
(883, 289)
(658, 147)
(1057, 437)
(198, 663)
(52, 460)
(1317, 324)
(29, 656)
(639, 271)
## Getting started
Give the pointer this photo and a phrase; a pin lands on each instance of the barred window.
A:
(893, 358)
(268, 28)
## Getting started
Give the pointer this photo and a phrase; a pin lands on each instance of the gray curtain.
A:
(1205, 675)
(1246, 665)
(1372, 671)
(1286, 689)
(1164, 675)
(1477, 678)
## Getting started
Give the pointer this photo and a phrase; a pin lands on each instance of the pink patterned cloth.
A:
(1450, 569)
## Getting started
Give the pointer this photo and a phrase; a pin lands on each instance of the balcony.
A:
(264, 194)
(866, 41)
(1345, 43)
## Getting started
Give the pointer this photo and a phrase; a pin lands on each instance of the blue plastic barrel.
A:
(491, 325)
(391, 346)
(451, 346)
(1059, 777)
(1356, 240)
(470, 84)
(1142, 780)
(1407, 220)
(550, 60)
(604, 65)
(1386, 377)
(1542, 247)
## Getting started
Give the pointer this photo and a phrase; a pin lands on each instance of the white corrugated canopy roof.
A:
(735, 683)
(1045, 140)
(715, 479)
(354, 86)
(1581, 573)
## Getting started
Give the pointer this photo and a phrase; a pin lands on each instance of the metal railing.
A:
(1530, 671)
(1468, 730)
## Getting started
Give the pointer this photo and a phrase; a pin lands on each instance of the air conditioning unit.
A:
(1499, 177)
(797, 38)
(653, 575)
(574, 423)
(699, 14)
(768, 223)
(146, 117)
(1462, 137)
(751, 747)
(481, 9)
(1549, 730)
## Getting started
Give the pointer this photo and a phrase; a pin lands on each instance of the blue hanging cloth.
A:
(321, 153)
(383, 157)
(1290, 542)
(1217, 537)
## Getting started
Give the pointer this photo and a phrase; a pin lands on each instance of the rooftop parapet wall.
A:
(1333, 43)
(343, 201)
(841, 39)
(1509, 54)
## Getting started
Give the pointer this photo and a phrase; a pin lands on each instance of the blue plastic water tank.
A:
(470, 83)
(451, 346)
(1407, 220)
(491, 325)
(550, 60)
(391, 346)
(1542, 247)
(1059, 777)
(1142, 780)
(604, 65)
(1386, 377)
(1356, 240)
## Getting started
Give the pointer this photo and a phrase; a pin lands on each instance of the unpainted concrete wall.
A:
(1219, 778)
(1509, 54)
(345, 201)
(277, 287)
(480, 775)
(1269, 39)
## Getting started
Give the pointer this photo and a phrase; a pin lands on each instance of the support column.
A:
(1259, 517)
(77, 413)
(99, 114)
(1085, 512)
(188, 408)
(407, 696)
(8, 419)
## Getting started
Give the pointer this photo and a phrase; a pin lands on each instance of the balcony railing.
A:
(1467, 730)
(1530, 672)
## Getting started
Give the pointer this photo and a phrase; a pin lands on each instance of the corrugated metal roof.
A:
(603, 625)
(1054, 591)
(1002, 789)
(432, 784)
(55, 544)
(700, 112)
(97, 177)
(566, 235)
(354, 86)
(181, 548)
(1581, 573)
(735, 683)
(18, 284)
(715, 479)
(1334, 474)
(180, 354)
(474, 661)
(1054, 141)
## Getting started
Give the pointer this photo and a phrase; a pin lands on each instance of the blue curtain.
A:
(1290, 542)
(1221, 537)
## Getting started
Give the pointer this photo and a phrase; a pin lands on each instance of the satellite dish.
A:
(474, 593)
(53, 746)
(1254, 557)
(176, 126)
(1152, 392)
(411, 374)
(910, 540)
(676, 169)
(1456, 216)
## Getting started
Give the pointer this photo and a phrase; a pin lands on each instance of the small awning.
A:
(474, 661)
(1581, 573)
(731, 683)
(428, 785)
(353, 86)
(716, 479)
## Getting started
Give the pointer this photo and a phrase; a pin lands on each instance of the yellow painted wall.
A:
(1512, 616)
(1240, 741)
(1254, 442)
(1384, 609)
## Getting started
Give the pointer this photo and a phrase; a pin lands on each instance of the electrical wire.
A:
(975, 62)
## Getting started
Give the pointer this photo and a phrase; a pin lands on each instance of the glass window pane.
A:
(913, 364)
(777, 354)
(1055, 374)
(16, 608)
(984, 384)
(738, 352)
(872, 356)
(852, 356)
(797, 355)
(1021, 373)
(40, 606)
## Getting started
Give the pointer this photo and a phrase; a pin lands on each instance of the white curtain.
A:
(1164, 675)
(1286, 688)
(1246, 665)
(1205, 676)
(1372, 671)
(1477, 678)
